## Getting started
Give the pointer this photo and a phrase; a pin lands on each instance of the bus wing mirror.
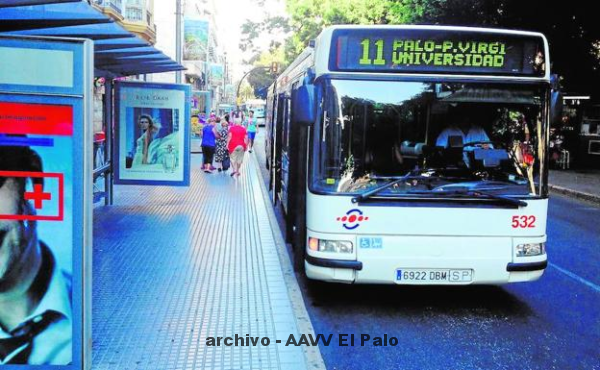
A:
(304, 104)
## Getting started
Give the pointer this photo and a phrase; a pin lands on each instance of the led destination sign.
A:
(433, 51)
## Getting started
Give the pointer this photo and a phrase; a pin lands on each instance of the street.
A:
(552, 323)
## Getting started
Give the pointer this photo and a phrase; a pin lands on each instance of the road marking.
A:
(576, 277)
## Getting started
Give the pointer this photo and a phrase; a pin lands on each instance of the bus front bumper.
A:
(481, 272)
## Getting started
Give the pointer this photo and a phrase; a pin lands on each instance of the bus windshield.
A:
(441, 136)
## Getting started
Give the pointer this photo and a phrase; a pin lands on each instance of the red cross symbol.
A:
(38, 196)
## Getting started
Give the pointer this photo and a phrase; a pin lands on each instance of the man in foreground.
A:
(35, 294)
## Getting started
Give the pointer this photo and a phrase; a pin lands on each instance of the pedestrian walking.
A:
(221, 152)
(252, 129)
(237, 142)
(208, 145)
(238, 114)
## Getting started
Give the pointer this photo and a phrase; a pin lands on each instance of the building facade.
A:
(203, 55)
(136, 16)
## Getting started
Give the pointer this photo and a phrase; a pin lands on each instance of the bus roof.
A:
(448, 51)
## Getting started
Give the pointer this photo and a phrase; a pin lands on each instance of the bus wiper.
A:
(370, 193)
(475, 193)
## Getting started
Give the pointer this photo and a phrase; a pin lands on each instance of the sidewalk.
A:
(196, 145)
(583, 184)
(173, 266)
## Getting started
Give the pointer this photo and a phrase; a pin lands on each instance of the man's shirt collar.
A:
(56, 297)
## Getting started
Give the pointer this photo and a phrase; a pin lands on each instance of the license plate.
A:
(424, 276)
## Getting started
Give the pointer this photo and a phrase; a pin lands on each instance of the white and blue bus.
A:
(223, 109)
(414, 155)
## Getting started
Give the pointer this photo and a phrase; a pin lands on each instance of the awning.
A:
(118, 52)
(58, 15)
(13, 3)
(122, 43)
(125, 52)
(88, 31)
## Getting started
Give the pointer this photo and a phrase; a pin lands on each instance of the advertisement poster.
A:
(216, 73)
(201, 102)
(36, 229)
(195, 35)
(153, 134)
(44, 221)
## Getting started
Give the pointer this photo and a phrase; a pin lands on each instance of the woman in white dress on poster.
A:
(142, 144)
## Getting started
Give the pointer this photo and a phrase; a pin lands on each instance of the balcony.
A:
(112, 8)
(141, 22)
(116, 5)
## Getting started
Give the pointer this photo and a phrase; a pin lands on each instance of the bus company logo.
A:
(352, 219)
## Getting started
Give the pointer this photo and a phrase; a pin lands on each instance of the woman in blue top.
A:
(208, 144)
(252, 129)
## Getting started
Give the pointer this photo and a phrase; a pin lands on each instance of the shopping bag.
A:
(226, 163)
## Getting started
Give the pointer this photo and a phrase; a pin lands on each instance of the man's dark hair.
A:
(251, 111)
(20, 158)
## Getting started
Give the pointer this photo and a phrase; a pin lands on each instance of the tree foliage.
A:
(246, 92)
(252, 32)
(571, 29)
(262, 78)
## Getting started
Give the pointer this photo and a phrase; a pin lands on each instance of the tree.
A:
(246, 91)
(572, 30)
(262, 78)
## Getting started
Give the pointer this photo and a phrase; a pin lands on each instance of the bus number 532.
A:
(523, 222)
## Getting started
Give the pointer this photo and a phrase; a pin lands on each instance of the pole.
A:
(178, 46)
(237, 94)
(108, 149)
(223, 92)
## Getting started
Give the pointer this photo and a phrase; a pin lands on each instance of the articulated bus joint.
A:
(531, 266)
(344, 264)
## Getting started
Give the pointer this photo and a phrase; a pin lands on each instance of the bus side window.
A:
(286, 123)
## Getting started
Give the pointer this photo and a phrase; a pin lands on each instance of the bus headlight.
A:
(335, 246)
(531, 249)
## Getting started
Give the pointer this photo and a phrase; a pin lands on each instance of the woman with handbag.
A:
(221, 152)
(208, 144)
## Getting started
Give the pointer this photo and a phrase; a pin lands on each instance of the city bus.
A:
(223, 109)
(414, 155)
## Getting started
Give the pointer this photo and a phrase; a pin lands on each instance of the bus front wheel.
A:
(299, 246)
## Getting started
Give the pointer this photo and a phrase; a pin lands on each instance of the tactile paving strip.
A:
(173, 266)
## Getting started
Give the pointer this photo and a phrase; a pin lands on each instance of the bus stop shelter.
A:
(118, 53)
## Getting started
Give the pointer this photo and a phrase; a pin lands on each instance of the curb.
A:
(312, 355)
(575, 194)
